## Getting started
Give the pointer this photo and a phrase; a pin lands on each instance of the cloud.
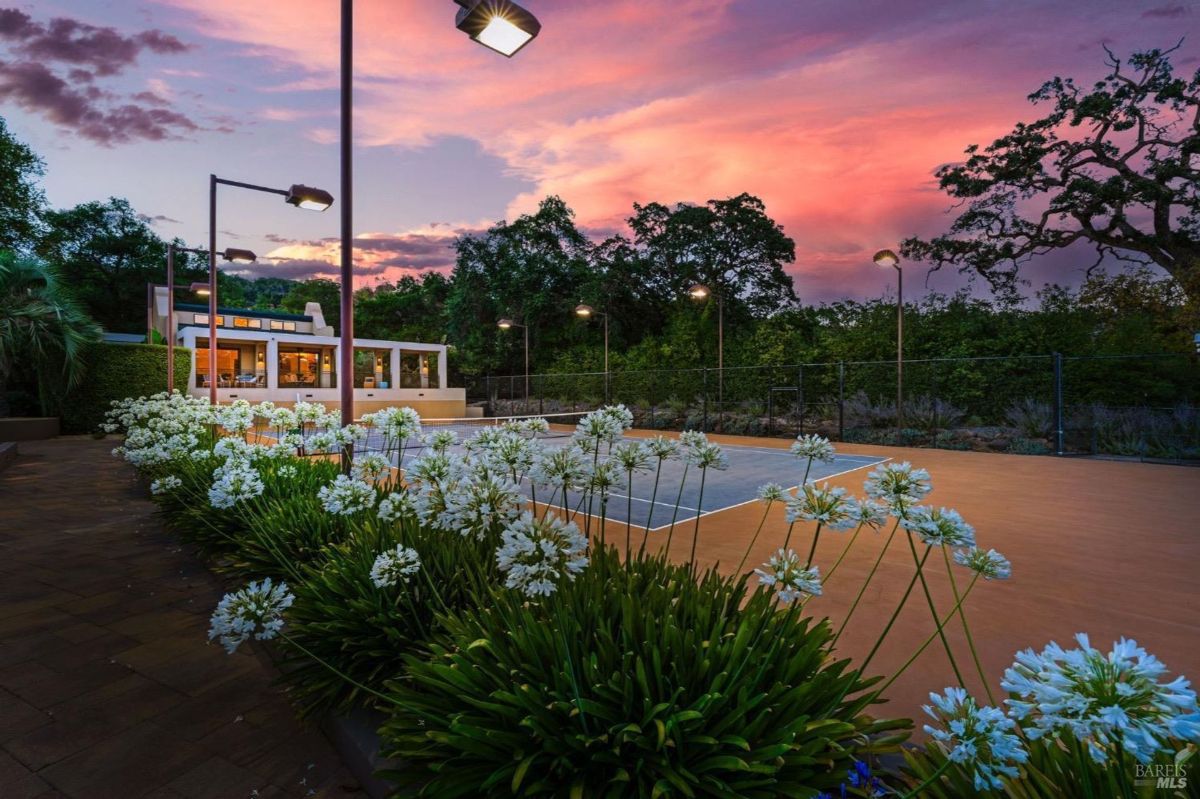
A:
(76, 102)
(159, 219)
(103, 50)
(1166, 12)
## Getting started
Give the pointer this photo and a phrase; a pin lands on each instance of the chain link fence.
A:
(1145, 406)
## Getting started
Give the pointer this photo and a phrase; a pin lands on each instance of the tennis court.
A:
(749, 468)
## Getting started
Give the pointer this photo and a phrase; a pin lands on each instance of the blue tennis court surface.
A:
(749, 468)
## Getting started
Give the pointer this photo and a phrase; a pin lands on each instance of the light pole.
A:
(299, 196)
(701, 293)
(886, 258)
(507, 324)
(584, 311)
(202, 289)
(500, 25)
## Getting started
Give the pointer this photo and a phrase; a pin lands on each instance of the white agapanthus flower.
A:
(813, 448)
(707, 455)
(396, 505)
(832, 507)
(564, 468)
(899, 485)
(978, 738)
(324, 441)
(440, 440)
(599, 427)
(689, 439)
(605, 476)
(256, 610)
(397, 424)
(310, 413)
(287, 471)
(165, 484)
(661, 447)
(512, 453)
(395, 566)
(990, 565)
(939, 527)
(632, 456)
(370, 466)
(620, 414)
(479, 505)
(529, 428)
(283, 419)
(772, 492)
(1103, 700)
(346, 496)
(235, 481)
(786, 573)
(869, 512)
(535, 553)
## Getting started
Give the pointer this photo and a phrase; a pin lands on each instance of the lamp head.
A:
(201, 288)
(886, 258)
(584, 311)
(699, 292)
(504, 323)
(239, 256)
(309, 198)
(500, 25)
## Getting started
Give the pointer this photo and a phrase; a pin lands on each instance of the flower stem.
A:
(699, 512)
(930, 781)
(653, 502)
(962, 616)
(812, 551)
(895, 614)
(338, 672)
(842, 557)
(755, 538)
(866, 582)
(956, 609)
(678, 499)
(933, 611)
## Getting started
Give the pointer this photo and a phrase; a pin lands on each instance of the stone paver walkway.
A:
(108, 687)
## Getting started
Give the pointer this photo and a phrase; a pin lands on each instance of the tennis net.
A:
(557, 425)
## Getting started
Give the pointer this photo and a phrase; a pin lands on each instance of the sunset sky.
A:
(836, 113)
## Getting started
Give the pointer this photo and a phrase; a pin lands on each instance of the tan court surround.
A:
(1105, 547)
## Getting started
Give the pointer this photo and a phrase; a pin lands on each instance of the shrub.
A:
(117, 371)
(861, 411)
(930, 414)
(342, 617)
(637, 681)
(1031, 417)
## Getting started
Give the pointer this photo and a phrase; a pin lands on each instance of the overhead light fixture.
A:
(308, 198)
(239, 256)
(500, 25)
(504, 324)
(584, 311)
(699, 292)
(886, 258)
(200, 288)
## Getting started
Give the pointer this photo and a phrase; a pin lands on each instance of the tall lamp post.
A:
(700, 293)
(584, 311)
(299, 196)
(500, 25)
(886, 258)
(201, 289)
(507, 324)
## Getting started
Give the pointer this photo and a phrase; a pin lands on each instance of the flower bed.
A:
(532, 648)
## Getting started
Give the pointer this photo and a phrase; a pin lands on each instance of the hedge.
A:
(117, 371)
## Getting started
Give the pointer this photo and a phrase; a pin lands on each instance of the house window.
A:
(237, 366)
(287, 326)
(372, 368)
(202, 319)
(307, 367)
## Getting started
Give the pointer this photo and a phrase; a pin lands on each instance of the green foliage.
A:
(21, 199)
(326, 292)
(1058, 768)
(342, 617)
(645, 680)
(117, 371)
(43, 332)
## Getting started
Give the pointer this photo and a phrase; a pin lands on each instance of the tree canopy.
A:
(1113, 165)
(21, 198)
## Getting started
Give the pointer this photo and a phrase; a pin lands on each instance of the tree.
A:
(327, 292)
(42, 331)
(730, 245)
(107, 253)
(1114, 166)
(21, 198)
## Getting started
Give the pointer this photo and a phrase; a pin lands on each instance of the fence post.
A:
(770, 412)
(542, 396)
(704, 403)
(841, 400)
(1058, 404)
(800, 396)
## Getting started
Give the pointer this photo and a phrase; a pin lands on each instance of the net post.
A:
(770, 413)
(704, 401)
(800, 396)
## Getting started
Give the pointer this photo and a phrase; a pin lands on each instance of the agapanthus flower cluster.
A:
(480, 504)
(830, 506)
(370, 466)
(772, 492)
(237, 417)
(1106, 701)
(235, 481)
(396, 505)
(661, 447)
(395, 566)
(166, 484)
(632, 457)
(603, 427)
(536, 553)
(939, 527)
(397, 424)
(440, 440)
(346, 496)
(989, 565)
(979, 738)
(604, 477)
(870, 513)
(564, 468)
(706, 455)
(529, 427)
(256, 610)
(814, 448)
(785, 571)
(898, 485)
